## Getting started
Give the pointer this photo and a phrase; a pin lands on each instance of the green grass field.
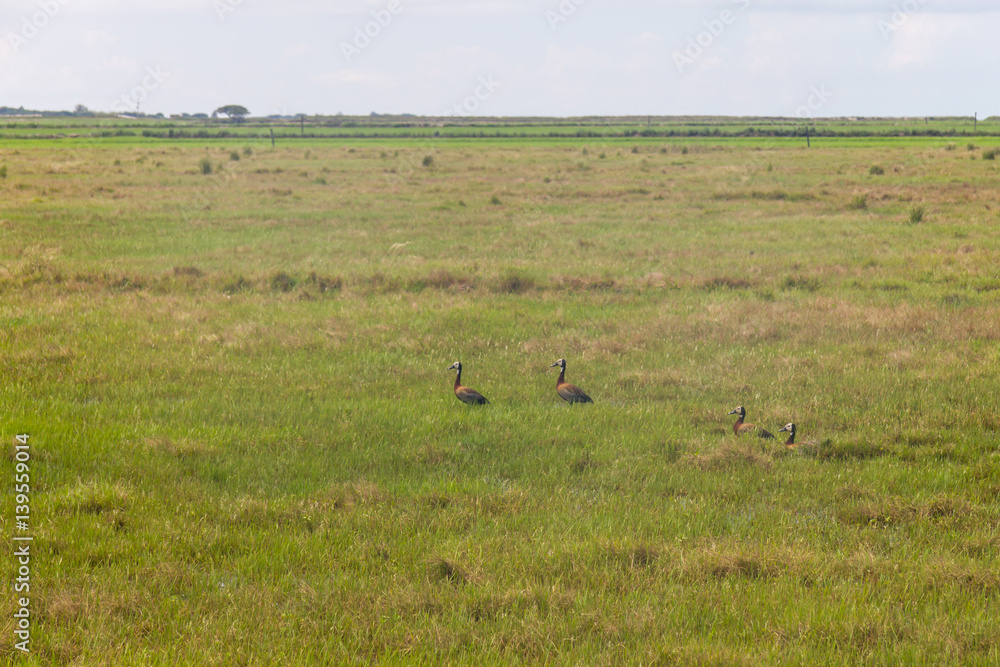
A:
(231, 363)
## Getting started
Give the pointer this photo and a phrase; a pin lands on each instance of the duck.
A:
(790, 443)
(740, 427)
(467, 395)
(569, 392)
(790, 428)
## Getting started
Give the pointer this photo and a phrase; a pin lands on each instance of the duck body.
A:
(569, 392)
(467, 395)
(744, 428)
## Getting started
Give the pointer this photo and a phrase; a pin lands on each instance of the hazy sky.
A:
(505, 57)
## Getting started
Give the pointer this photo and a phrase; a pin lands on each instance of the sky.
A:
(793, 58)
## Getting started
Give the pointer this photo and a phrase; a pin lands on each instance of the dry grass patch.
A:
(748, 452)
(510, 502)
(182, 448)
(442, 279)
(898, 511)
(78, 606)
(743, 566)
(631, 557)
(95, 498)
(849, 450)
(727, 283)
(346, 496)
(450, 571)
(256, 514)
(713, 561)
(585, 283)
(513, 282)
(188, 272)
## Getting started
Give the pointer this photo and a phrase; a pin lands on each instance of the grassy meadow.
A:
(231, 361)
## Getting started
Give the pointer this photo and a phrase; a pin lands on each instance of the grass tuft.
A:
(582, 465)
(325, 283)
(442, 569)
(858, 203)
(807, 283)
(440, 279)
(237, 285)
(632, 558)
(726, 283)
(742, 566)
(513, 282)
(746, 453)
(765, 195)
(283, 282)
(127, 284)
(850, 450)
(188, 272)
(95, 498)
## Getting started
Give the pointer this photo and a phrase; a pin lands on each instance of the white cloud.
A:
(455, 62)
(296, 51)
(917, 41)
(355, 77)
(97, 38)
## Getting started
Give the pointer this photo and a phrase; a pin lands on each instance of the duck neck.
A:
(458, 378)
(562, 375)
(791, 437)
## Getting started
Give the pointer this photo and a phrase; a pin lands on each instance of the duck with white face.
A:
(569, 392)
(790, 428)
(741, 428)
(467, 395)
(792, 443)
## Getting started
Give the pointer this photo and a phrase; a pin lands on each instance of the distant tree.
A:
(80, 110)
(232, 111)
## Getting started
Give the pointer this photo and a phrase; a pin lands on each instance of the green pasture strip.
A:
(232, 364)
